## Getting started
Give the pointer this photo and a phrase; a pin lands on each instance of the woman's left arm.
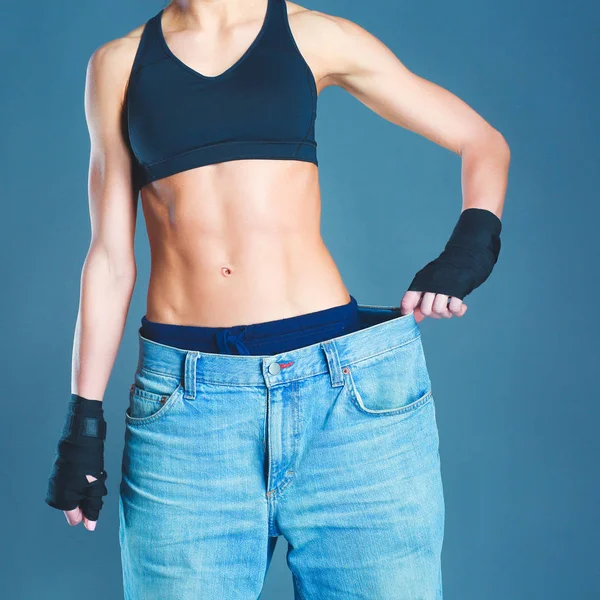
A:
(358, 62)
(366, 68)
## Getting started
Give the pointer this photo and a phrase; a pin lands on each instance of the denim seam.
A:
(278, 491)
(283, 485)
(408, 408)
(140, 422)
(383, 352)
(257, 386)
(161, 373)
(297, 409)
(147, 395)
(310, 375)
(301, 596)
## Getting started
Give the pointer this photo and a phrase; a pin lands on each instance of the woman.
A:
(266, 400)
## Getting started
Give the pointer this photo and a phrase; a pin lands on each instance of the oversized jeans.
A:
(333, 446)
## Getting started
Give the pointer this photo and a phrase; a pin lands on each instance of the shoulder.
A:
(322, 23)
(110, 64)
(332, 43)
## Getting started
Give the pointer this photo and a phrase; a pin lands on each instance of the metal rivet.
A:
(163, 399)
(274, 368)
(346, 370)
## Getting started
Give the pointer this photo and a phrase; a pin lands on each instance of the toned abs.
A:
(238, 243)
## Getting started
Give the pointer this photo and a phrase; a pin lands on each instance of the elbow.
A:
(501, 146)
(124, 270)
(117, 266)
(487, 142)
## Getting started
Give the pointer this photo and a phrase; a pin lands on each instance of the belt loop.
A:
(189, 380)
(333, 362)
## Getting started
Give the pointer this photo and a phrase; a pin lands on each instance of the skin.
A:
(239, 242)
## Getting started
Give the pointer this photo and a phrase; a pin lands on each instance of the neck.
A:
(219, 13)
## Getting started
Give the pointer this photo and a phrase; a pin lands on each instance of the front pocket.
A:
(392, 382)
(151, 396)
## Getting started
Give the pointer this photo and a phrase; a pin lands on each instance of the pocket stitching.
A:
(159, 413)
(153, 372)
(358, 402)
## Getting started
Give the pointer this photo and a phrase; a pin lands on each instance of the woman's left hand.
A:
(430, 304)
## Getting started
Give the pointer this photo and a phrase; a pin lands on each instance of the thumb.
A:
(73, 516)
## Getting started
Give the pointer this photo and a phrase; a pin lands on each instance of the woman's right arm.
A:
(107, 282)
(109, 271)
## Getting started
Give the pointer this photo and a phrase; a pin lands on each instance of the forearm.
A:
(474, 245)
(105, 296)
(485, 164)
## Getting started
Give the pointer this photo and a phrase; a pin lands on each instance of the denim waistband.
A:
(383, 328)
(268, 337)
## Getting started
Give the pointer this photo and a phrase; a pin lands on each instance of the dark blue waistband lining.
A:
(268, 337)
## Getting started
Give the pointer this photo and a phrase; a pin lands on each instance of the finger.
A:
(426, 306)
(73, 516)
(89, 524)
(91, 506)
(455, 306)
(92, 501)
(409, 302)
(440, 306)
(408, 305)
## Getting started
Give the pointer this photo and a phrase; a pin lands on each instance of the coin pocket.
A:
(150, 396)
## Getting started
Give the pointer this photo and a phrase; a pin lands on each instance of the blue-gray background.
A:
(515, 380)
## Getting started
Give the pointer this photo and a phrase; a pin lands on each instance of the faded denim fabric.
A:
(333, 446)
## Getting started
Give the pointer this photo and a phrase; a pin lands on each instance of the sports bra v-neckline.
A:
(239, 61)
(263, 106)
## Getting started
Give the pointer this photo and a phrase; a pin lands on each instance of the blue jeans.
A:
(333, 446)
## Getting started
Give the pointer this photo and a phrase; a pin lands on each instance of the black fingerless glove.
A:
(80, 452)
(468, 257)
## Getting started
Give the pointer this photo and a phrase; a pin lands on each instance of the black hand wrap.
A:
(467, 259)
(80, 452)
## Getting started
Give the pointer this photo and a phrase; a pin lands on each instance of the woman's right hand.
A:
(76, 516)
(77, 483)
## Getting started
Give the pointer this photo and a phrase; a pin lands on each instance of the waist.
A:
(380, 328)
(248, 288)
(262, 338)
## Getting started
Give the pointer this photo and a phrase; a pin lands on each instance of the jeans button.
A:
(274, 368)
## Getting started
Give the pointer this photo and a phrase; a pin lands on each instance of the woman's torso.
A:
(238, 241)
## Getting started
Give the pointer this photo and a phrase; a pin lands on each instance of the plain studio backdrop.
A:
(515, 379)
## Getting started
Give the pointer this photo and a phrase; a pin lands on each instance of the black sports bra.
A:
(263, 106)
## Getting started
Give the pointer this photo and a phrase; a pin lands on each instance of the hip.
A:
(381, 364)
